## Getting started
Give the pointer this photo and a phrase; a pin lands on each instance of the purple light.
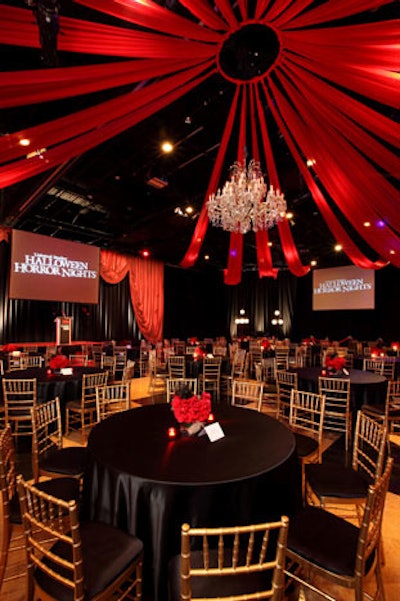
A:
(233, 253)
(380, 223)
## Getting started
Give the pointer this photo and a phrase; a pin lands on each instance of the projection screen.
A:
(340, 288)
(46, 268)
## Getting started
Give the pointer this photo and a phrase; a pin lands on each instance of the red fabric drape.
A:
(233, 271)
(22, 169)
(4, 234)
(318, 91)
(149, 13)
(201, 227)
(356, 200)
(349, 247)
(18, 27)
(29, 87)
(146, 281)
(288, 245)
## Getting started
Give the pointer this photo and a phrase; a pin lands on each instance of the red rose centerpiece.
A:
(335, 364)
(191, 411)
(58, 362)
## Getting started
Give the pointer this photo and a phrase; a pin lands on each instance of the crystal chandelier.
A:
(244, 204)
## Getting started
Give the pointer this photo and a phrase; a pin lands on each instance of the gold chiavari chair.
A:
(28, 361)
(111, 399)
(323, 544)
(174, 384)
(176, 366)
(210, 378)
(11, 543)
(82, 413)
(49, 457)
(338, 414)
(247, 394)
(306, 420)
(78, 359)
(19, 396)
(332, 485)
(109, 362)
(285, 382)
(389, 411)
(233, 563)
(69, 559)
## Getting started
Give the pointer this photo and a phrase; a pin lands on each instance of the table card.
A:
(66, 371)
(214, 431)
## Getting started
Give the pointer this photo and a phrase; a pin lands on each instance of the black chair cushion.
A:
(329, 480)
(68, 461)
(379, 410)
(75, 405)
(215, 586)
(106, 552)
(325, 540)
(305, 445)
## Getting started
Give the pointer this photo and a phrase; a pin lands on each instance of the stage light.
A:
(167, 147)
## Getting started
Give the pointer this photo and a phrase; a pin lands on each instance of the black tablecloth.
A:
(148, 485)
(365, 386)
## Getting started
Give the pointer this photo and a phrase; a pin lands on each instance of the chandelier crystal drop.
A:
(244, 204)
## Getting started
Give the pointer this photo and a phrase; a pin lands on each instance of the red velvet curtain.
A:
(4, 234)
(146, 281)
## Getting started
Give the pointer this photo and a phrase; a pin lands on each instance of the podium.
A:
(63, 330)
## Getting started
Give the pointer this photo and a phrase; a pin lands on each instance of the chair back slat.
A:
(239, 550)
(20, 396)
(111, 399)
(370, 440)
(248, 394)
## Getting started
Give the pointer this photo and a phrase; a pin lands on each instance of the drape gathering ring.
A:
(248, 53)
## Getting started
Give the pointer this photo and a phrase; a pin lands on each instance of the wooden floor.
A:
(14, 590)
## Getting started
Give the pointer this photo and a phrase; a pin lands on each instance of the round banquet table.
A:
(66, 388)
(365, 386)
(147, 484)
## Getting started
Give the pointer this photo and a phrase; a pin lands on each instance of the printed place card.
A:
(66, 371)
(214, 431)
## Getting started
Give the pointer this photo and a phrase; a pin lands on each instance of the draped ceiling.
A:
(328, 86)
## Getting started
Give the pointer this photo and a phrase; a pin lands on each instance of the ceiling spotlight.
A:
(367, 224)
(338, 247)
(277, 312)
(24, 142)
(310, 162)
(189, 210)
(206, 257)
(145, 254)
(167, 147)
(289, 215)
(269, 244)
(188, 120)
(313, 263)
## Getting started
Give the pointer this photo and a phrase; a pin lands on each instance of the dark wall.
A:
(199, 304)
(383, 321)
(195, 304)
